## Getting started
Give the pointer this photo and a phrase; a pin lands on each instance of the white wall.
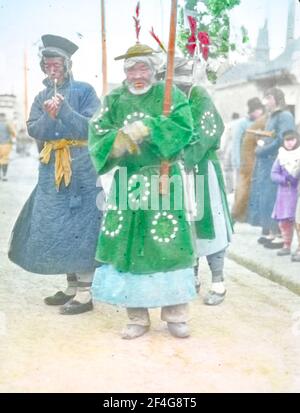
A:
(234, 98)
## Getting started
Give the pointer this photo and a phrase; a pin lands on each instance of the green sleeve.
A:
(170, 134)
(208, 127)
(102, 134)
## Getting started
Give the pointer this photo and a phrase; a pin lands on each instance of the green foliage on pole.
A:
(212, 17)
(217, 7)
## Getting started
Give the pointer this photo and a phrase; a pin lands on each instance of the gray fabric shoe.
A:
(179, 330)
(284, 251)
(197, 285)
(132, 331)
(213, 298)
(296, 256)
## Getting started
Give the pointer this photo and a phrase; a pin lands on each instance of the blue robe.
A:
(263, 190)
(57, 231)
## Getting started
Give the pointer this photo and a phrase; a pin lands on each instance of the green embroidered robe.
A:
(208, 129)
(143, 241)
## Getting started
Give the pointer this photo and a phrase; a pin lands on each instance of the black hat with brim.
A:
(57, 46)
(254, 104)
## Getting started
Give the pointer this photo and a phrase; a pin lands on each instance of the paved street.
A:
(250, 343)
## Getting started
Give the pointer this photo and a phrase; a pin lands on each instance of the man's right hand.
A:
(51, 108)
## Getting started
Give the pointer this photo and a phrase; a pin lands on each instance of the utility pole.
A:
(25, 87)
(104, 53)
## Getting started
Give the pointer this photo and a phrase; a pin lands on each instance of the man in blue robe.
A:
(57, 229)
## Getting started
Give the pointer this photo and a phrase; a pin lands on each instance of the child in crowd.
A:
(294, 169)
(296, 254)
(283, 173)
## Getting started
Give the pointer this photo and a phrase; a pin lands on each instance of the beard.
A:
(139, 91)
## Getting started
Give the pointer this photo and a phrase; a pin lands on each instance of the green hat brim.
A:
(128, 55)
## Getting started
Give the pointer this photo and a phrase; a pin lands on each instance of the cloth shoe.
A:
(59, 298)
(75, 307)
(263, 240)
(132, 331)
(214, 298)
(274, 244)
(179, 330)
(296, 256)
(284, 251)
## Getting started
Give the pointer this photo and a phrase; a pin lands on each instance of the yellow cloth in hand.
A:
(123, 144)
(137, 131)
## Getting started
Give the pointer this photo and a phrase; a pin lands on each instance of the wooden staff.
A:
(165, 166)
(262, 133)
(25, 87)
(104, 54)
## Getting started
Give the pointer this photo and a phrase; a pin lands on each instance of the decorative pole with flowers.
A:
(209, 26)
(165, 166)
(104, 54)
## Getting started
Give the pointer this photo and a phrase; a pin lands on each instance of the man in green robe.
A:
(211, 217)
(145, 245)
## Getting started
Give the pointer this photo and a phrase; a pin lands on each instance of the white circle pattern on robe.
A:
(134, 116)
(98, 118)
(208, 123)
(155, 224)
(144, 194)
(116, 231)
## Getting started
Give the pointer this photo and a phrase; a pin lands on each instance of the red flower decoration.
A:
(204, 42)
(202, 37)
(191, 45)
(193, 24)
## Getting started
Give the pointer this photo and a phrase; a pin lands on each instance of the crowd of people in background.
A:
(261, 159)
(8, 138)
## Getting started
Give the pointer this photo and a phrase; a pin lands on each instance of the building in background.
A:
(243, 81)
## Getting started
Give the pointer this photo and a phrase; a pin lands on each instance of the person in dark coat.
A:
(57, 229)
(263, 190)
(247, 159)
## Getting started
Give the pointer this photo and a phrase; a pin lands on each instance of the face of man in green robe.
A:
(139, 78)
